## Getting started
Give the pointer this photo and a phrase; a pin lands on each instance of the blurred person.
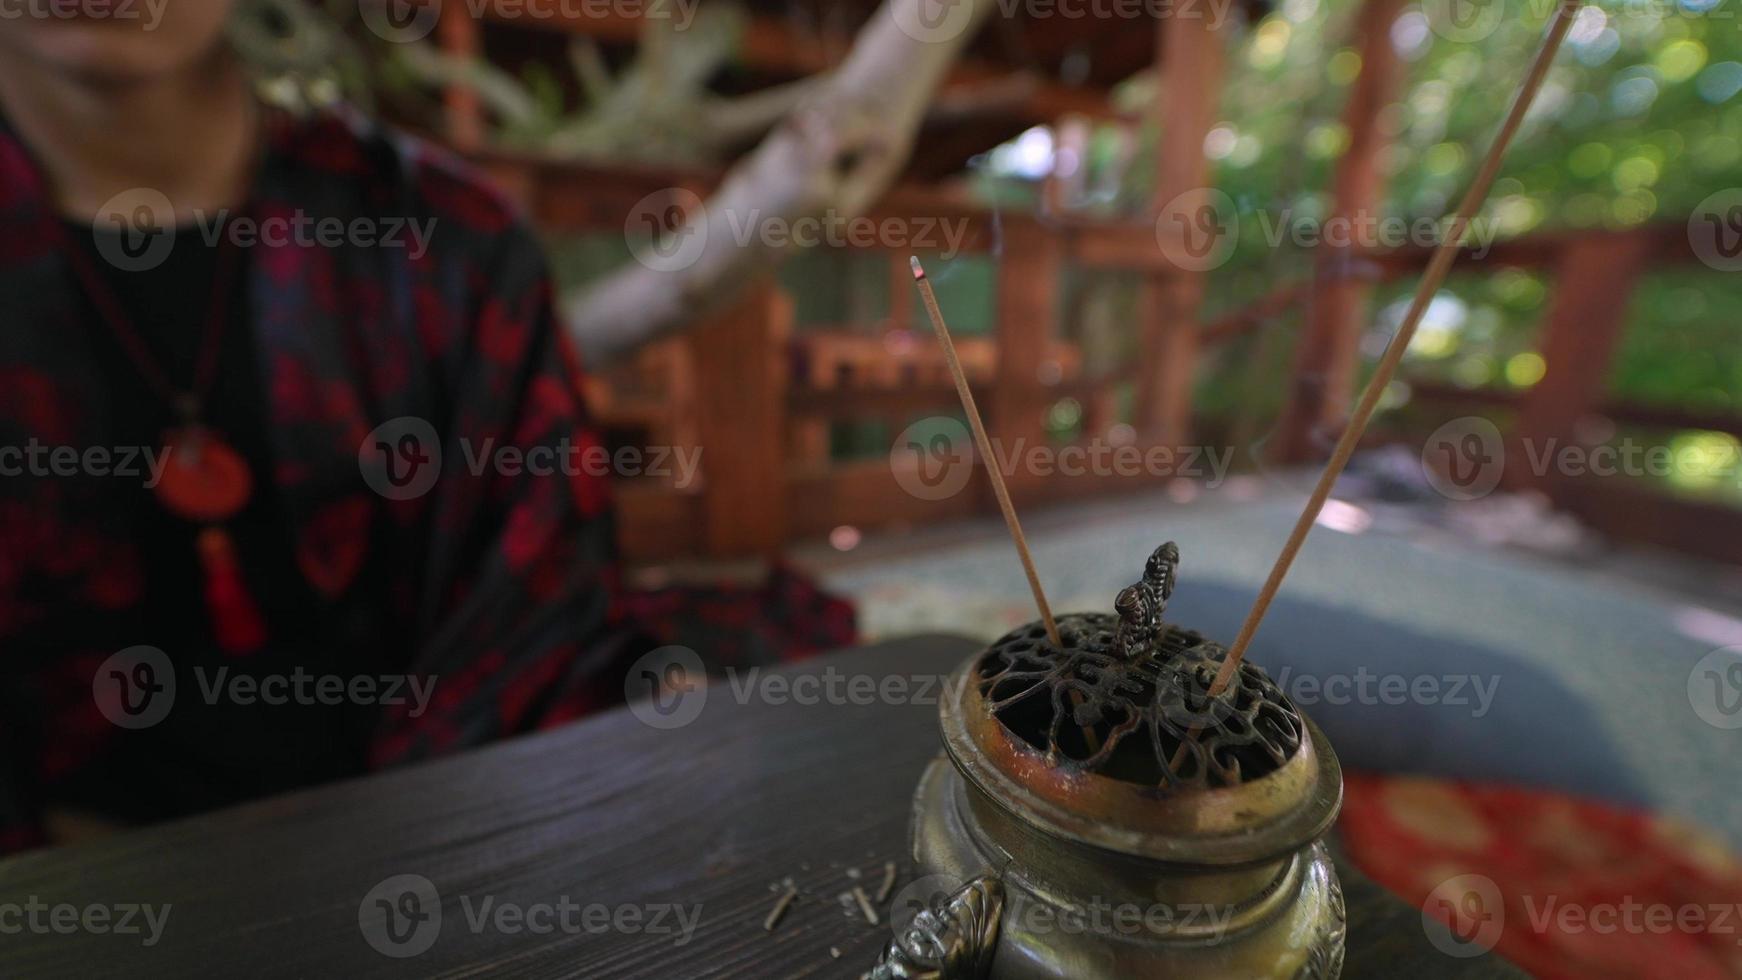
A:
(222, 392)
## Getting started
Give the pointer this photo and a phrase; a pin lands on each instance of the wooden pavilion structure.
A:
(758, 397)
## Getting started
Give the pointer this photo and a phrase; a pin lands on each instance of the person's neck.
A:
(190, 136)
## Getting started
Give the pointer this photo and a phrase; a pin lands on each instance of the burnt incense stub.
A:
(1100, 771)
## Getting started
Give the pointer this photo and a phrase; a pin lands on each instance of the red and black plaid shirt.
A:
(504, 588)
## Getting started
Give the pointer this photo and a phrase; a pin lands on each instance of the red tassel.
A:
(236, 622)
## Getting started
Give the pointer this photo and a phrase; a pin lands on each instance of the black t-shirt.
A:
(209, 751)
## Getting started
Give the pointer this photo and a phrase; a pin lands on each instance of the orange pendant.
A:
(204, 480)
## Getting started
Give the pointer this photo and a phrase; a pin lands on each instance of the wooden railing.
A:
(760, 398)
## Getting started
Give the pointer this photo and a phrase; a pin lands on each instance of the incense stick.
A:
(779, 911)
(985, 446)
(888, 885)
(984, 443)
(864, 901)
(1438, 266)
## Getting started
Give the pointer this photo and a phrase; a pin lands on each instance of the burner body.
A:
(1098, 813)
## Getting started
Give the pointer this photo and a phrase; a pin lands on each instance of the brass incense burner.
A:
(1099, 814)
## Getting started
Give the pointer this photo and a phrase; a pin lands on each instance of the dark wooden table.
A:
(617, 817)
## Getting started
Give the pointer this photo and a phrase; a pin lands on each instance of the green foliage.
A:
(1639, 119)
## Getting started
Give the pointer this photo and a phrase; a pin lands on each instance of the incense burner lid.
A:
(1113, 739)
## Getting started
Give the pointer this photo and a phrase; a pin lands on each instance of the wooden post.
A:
(460, 37)
(1593, 283)
(1191, 52)
(1067, 182)
(900, 281)
(1028, 304)
(741, 387)
(1322, 384)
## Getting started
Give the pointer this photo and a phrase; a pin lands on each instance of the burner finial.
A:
(1140, 605)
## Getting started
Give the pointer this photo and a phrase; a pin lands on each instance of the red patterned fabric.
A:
(507, 590)
(1564, 888)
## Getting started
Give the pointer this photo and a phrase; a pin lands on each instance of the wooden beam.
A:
(1029, 280)
(741, 387)
(1662, 243)
(1116, 244)
(1065, 183)
(1192, 53)
(655, 522)
(899, 279)
(1627, 510)
(463, 115)
(1328, 353)
(1585, 320)
(865, 493)
(1253, 315)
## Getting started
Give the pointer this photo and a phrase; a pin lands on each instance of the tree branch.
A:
(836, 154)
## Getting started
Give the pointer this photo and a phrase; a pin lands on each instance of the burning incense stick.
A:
(1438, 266)
(985, 446)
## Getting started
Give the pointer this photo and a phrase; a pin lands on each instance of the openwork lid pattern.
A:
(1128, 696)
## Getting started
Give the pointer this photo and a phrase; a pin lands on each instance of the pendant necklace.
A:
(205, 481)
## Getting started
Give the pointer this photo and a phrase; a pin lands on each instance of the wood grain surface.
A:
(771, 781)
